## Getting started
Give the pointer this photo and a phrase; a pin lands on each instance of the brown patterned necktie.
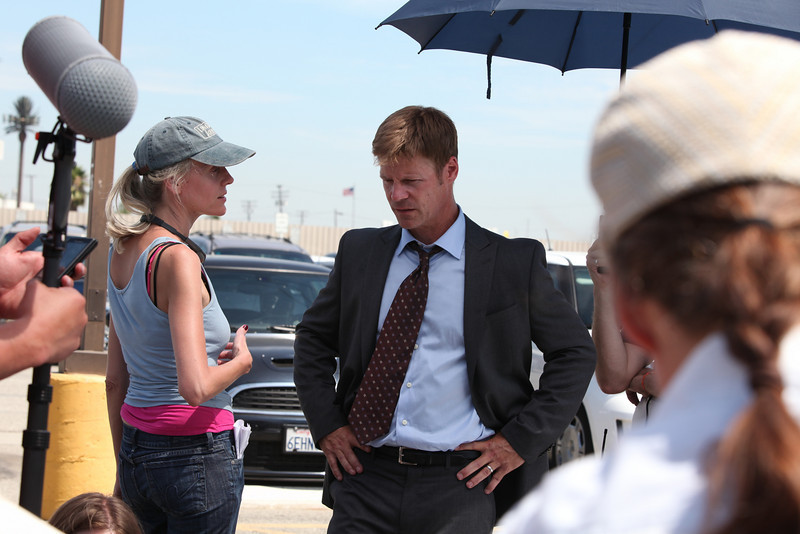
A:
(374, 405)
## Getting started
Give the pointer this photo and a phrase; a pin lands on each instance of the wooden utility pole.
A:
(92, 359)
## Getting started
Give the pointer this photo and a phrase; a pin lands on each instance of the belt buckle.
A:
(401, 460)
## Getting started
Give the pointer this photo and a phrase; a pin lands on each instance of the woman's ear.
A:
(636, 317)
(172, 186)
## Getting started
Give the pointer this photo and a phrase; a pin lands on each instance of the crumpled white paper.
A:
(241, 435)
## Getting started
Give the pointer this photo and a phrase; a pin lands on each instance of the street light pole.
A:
(30, 182)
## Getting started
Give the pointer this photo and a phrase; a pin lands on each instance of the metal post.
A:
(36, 438)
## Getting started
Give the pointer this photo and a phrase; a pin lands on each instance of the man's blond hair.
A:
(416, 131)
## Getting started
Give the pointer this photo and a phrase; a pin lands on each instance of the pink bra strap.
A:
(152, 266)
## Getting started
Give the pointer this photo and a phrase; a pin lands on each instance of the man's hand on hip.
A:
(338, 448)
(497, 459)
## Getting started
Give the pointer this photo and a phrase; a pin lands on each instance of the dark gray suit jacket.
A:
(509, 301)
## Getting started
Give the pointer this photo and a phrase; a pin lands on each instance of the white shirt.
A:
(654, 482)
(16, 519)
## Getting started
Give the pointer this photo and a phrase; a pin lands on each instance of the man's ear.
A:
(450, 170)
(636, 318)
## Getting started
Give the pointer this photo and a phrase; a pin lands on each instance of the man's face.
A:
(420, 197)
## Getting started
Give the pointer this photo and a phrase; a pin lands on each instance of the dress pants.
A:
(391, 498)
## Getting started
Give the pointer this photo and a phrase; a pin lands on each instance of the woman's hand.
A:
(237, 350)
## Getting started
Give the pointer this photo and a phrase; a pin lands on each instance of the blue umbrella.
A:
(577, 34)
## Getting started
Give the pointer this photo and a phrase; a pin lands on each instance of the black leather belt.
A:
(406, 456)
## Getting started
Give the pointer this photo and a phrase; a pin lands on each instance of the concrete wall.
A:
(317, 240)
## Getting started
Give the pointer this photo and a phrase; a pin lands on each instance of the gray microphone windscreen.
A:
(95, 95)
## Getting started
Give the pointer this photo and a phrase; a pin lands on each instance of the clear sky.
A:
(306, 83)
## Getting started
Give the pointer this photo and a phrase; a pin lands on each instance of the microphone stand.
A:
(36, 437)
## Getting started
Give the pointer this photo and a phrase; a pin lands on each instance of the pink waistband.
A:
(177, 420)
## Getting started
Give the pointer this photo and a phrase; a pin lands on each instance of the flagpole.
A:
(351, 192)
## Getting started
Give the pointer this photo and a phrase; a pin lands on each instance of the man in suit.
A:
(468, 435)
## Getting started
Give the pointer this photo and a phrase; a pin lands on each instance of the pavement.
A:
(13, 420)
(262, 506)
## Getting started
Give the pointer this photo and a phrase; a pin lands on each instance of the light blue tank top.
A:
(143, 332)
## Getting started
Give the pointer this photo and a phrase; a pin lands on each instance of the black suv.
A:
(250, 245)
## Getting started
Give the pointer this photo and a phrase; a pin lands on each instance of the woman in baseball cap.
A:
(169, 355)
(697, 164)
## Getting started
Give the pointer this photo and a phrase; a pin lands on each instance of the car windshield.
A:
(266, 301)
(265, 253)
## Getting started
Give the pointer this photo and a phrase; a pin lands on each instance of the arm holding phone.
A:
(36, 309)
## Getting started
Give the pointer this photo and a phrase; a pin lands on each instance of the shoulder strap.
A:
(150, 272)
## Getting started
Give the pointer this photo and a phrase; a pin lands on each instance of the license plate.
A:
(299, 440)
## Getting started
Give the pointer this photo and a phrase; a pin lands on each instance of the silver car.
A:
(270, 296)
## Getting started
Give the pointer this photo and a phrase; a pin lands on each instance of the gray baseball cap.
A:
(178, 138)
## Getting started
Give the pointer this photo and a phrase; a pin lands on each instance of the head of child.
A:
(95, 513)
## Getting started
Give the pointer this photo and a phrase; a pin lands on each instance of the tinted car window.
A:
(267, 301)
(584, 294)
(576, 285)
(562, 279)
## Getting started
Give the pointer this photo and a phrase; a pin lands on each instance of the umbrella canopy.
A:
(577, 34)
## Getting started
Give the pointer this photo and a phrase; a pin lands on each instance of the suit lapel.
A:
(379, 258)
(478, 272)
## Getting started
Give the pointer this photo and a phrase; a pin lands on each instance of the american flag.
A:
(348, 191)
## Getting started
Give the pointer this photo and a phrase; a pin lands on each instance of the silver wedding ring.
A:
(489, 467)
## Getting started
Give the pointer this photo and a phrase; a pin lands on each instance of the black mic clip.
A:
(61, 132)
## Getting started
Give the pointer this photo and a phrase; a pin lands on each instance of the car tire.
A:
(574, 442)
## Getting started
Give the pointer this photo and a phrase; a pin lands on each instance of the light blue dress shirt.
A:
(435, 410)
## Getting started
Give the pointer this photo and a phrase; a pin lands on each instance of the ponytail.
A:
(756, 472)
(132, 196)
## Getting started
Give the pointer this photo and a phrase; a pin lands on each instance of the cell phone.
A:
(75, 251)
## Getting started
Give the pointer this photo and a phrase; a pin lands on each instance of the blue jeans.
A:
(181, 483)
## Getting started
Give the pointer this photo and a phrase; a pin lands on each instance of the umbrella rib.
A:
(435, 34)
(571, 42)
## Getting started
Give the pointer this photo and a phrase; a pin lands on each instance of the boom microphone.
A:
(95, 95)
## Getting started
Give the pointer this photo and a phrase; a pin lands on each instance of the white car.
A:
(601, 418)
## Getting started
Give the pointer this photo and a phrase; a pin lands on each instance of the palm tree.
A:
(78, 193)
(22, 122)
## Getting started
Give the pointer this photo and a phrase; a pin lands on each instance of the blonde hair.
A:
(416, 131)
(138, 195)
(94, 511)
